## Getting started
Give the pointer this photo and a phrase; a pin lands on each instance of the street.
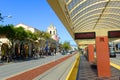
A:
(12, 69)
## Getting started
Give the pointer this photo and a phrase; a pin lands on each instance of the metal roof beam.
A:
(102, 13)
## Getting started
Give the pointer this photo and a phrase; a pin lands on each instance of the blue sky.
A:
(35, 13)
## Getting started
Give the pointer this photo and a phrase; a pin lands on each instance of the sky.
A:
(35, 13)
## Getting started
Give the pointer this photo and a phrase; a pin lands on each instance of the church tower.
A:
(53, 31)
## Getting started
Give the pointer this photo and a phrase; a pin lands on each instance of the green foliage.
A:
(66, 45)
(1, 29)
(47, 35)
(13, 33)
(34, 36)
(7, 30)
(20, 33)
(42, 34)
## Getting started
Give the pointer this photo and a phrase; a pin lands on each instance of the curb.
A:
(74, 69)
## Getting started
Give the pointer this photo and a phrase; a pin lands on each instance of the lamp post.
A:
(2, 17)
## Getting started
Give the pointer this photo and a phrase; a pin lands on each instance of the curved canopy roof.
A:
(94, 14)
(88, 15)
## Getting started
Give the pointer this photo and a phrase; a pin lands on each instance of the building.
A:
(53, 31)
(26, 27)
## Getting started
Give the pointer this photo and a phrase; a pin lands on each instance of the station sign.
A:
(85, 35)
(114, 34)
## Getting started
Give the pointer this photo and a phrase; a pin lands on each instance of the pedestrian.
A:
(0, 57)
(40, 53)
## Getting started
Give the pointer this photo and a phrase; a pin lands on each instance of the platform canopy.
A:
(81, 16)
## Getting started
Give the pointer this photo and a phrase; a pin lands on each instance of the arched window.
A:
(50, 32)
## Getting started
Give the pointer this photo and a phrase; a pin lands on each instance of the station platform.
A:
(88, 71)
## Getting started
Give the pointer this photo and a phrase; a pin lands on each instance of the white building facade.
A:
(27, 27)
(53, 31)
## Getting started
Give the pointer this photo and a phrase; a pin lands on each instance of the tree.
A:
(66, 46)
(13, 33)
(9, 32)
(20, 33)
(1, 30)
(42, 34)
(47, 35)
(31, 36)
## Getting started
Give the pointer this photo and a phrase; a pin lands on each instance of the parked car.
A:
(112, 52)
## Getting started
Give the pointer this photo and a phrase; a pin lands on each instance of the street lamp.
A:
(2, 17)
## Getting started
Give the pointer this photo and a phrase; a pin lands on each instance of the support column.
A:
(90, 52)
(102, 55)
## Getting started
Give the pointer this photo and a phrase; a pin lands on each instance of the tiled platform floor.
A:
(88, 71)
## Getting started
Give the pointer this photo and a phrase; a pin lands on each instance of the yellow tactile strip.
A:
(115, 65)
(74, 70)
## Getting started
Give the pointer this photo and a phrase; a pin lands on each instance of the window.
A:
(50, 32)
